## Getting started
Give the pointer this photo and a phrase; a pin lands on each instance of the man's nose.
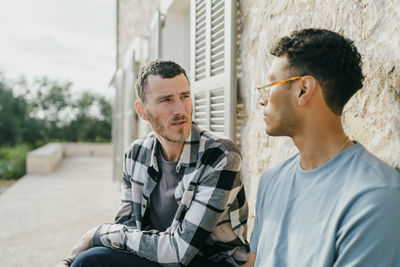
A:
(179, 107)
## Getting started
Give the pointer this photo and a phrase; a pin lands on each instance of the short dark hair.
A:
(163, 68)
(327, 56)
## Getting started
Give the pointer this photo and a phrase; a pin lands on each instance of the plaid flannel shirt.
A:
(212, 210)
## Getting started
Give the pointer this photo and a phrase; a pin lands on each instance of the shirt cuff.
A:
(70, 259)
(96, 241)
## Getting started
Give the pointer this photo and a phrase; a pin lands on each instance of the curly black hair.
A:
(163, 68)
(327, 56)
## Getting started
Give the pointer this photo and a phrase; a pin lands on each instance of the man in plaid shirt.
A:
(183, 200)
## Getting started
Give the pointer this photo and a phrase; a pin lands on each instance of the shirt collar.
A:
(189, 152)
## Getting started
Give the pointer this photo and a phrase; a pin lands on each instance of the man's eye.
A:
(185, 96)
(164, 100)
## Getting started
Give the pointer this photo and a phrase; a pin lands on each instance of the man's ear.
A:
(308, 85)
(140, 110)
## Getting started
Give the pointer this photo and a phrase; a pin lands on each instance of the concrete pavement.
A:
(42, 216)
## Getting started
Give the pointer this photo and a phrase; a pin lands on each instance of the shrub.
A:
(12, 161)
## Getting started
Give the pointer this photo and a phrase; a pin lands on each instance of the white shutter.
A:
(155, 37)
(213, 64)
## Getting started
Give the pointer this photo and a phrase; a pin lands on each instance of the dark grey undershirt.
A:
(163, 204)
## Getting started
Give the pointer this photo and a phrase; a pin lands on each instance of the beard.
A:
(163, 129)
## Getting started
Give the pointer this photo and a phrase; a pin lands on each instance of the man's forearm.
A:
(181, 242)
(83, 244)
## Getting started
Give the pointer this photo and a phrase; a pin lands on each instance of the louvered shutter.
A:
(213, 64)
(155, 37)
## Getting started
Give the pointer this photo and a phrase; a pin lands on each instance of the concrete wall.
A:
(87, 149)
(45, 159)
(372, 116)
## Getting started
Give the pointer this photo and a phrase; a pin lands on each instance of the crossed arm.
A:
(213, 195)
(251, 261)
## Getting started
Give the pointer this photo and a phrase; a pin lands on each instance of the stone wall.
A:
(133, 20)
(371, 117)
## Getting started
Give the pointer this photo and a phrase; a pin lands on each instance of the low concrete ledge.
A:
(87, 149)
(44, 159)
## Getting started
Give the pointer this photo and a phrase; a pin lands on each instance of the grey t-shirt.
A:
(163, 203)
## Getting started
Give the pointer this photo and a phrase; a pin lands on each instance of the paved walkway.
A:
(42, 216)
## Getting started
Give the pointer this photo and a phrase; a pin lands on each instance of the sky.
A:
(65, 40)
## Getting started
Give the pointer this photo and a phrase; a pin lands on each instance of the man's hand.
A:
(251, 260)
(85, 243)
(62, 264)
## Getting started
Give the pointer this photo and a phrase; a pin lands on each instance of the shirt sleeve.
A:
(210, 196)
(369, 234)
(124, 214)
(257, 227)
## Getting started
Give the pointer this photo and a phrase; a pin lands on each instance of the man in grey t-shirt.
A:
(183, 200)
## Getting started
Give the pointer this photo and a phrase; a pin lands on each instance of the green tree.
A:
(92, 121)
(42, 112)
(51, 106)
(47, 111)
(13, 115)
